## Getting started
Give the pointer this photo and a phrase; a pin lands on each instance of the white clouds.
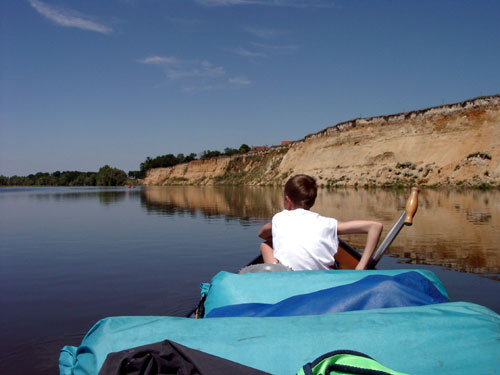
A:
(265, 33)
(246, 53)
(240, 81)
(277, 48)
(65, 18)
(159, 60)
(265, 50)
(194, 75)
(175, 68)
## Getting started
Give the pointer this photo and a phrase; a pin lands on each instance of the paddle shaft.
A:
(347, 257)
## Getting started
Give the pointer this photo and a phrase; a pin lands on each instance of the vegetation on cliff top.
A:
(170, 160)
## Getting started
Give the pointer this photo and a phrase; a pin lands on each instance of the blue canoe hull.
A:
(442, 338)
(448, 338)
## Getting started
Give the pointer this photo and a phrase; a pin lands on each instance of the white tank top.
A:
(304, 240)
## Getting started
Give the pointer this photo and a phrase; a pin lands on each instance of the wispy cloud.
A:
(276, 3)
(200, 88)
(67, 18)
(175, 68)
(264, 32)
(160, 60)
(277, 48)
(240, 81)
(266, 49)
(194, 75)
(220, 85)
(246, 53)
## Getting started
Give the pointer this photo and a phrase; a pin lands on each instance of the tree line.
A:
(162, 161)
(170, 160)
(106, 176)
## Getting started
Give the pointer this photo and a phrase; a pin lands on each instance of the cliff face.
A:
(457, 144)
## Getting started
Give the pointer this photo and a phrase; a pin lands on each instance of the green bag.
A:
(345, 362)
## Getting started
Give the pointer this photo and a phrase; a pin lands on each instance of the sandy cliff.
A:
(456, 144)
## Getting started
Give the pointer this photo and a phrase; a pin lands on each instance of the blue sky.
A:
(88, 83)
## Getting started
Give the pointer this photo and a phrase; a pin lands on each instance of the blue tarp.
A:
(227, 288)
(447, 338)
(458, 338)
(371, 292)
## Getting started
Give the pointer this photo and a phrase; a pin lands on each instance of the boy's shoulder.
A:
(296, 213)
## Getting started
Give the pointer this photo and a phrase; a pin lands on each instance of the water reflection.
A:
(106, 196)
(234, 203)
(453, 229)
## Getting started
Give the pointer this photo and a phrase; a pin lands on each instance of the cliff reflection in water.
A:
(454, 229)
(246, 204)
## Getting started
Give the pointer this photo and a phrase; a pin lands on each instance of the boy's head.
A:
(301, 189)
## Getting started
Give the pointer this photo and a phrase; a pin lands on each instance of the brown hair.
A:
(302, 190)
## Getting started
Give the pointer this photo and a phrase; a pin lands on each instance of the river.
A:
(71, 256)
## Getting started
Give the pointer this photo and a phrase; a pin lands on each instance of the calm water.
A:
(71, 256)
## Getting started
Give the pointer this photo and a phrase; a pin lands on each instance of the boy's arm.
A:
(373, 230)
(266, 249)
(266, 231)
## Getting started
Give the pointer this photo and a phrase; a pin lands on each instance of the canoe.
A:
(436, 338)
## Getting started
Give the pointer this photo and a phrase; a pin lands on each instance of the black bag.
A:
(168, 357)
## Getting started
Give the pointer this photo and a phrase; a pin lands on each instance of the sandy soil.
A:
(456, 144)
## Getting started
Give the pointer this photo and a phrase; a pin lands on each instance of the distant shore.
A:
(455, 145)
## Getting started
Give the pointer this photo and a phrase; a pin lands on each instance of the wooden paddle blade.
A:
(411, 206)
(347, 257)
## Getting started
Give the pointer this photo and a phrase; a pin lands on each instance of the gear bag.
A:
(342, 362)
(169, 357)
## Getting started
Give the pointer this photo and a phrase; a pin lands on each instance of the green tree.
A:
(108, 176)
(168, 160)
(208, 154)
(90, 179)
(244, 148)
(79, 181)
(146, 165)
(190, 157)
(45, 179)
(230, 151)
(18, 181)
(29, 180)
(67, 178)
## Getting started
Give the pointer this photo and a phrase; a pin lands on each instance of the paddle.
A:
(347, 257)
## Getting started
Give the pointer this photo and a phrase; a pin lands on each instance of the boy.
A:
(305, 240)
